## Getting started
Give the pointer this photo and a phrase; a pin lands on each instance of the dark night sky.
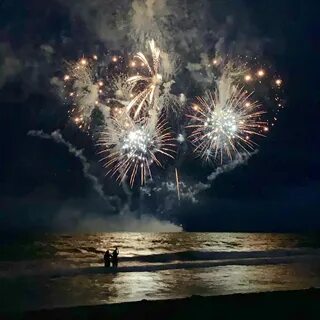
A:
(279, 189)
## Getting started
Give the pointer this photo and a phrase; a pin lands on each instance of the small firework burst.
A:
(83, 91)
(122, 89)
(224, 122)
(132, 146)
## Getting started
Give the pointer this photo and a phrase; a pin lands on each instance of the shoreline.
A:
(298, 304)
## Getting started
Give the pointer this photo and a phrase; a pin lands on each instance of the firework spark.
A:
(151, 82)
(133, 146)
(224, 122)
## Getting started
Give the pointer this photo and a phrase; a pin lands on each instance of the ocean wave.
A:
(178, 260)
(219, 255)
(186, 265)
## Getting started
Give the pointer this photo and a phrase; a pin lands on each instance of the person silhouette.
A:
(107, 258)
(115, 254)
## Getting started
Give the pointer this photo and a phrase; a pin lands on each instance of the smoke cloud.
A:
(189, 190)
(76, 220)
(10, 65)
(241, 159)
(84, 217)
(57, 137)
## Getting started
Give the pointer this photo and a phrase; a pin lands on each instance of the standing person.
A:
(115, 254)
(107, 259)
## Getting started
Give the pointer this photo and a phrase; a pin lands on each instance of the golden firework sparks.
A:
(151, 81)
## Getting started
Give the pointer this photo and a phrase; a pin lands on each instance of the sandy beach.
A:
(302, 304)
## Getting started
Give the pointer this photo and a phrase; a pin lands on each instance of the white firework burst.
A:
(224, 122)
(131, 147)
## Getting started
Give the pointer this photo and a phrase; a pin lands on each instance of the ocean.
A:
(67, 270)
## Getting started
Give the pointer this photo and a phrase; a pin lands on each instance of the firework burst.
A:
(150, 82)
(83, 90)
(132, 146)
(134, 138)
(224, 122)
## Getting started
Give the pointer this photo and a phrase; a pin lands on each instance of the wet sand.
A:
(302, 304)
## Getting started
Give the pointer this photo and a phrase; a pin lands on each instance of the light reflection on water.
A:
(131, 286)
(86, 250)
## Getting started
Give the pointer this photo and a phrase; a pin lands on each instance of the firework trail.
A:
(57, 137)
(225, 121)
(177, 183)
(189, 190)
(133, 146)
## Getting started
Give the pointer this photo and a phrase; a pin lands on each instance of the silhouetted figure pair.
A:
(108, 258)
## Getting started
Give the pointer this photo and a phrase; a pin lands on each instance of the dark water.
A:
(65, 270)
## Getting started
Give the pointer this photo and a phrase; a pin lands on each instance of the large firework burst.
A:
(150, 82)
(132, 146)
(224, 122)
